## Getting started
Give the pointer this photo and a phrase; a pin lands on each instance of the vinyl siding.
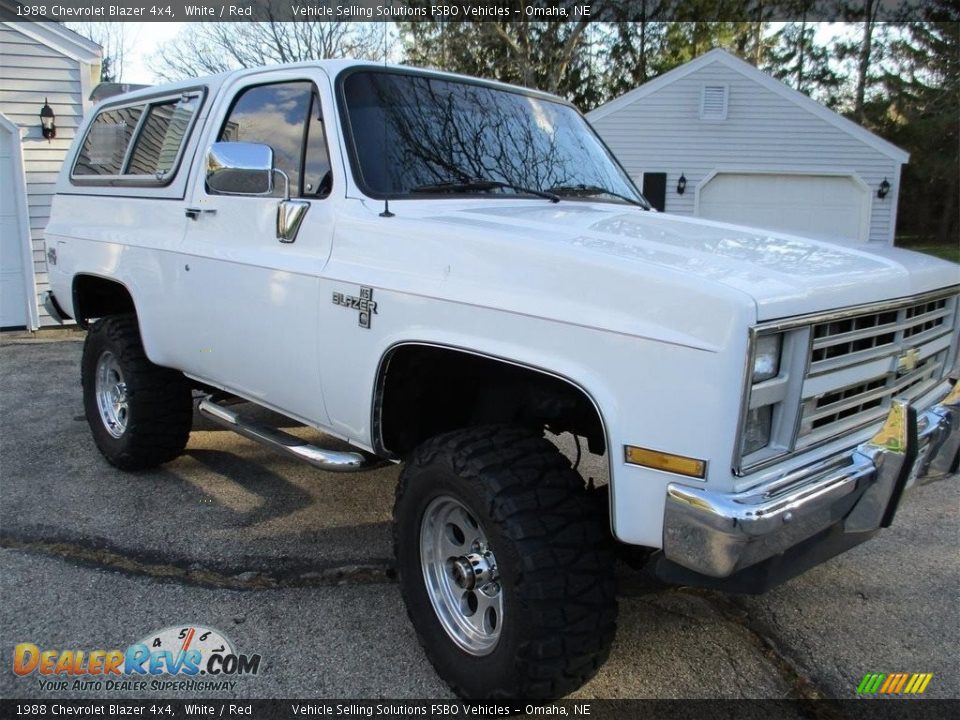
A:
(663, 132)
(31, 72)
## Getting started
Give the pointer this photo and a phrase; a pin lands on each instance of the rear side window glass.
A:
(158, 142)
(106, 144)
(138, 144)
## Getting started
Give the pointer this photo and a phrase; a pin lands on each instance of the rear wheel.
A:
(140, 414)
(505, 563)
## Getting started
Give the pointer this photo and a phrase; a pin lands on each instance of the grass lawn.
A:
(924, 245)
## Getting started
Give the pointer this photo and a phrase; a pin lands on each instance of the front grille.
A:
(841, 342)
(858, 364)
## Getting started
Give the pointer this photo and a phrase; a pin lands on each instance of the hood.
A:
(785, 275)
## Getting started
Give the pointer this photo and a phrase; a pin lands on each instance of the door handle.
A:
(289, 217)
(195, 213)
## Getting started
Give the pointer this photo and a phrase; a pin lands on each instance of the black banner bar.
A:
(453, 10)
(862, 709)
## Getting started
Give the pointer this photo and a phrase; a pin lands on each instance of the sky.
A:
(145, 38)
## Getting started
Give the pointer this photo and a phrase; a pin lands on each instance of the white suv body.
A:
(655, 319)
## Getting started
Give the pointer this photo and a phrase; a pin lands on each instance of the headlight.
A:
(756, 430)
(766, 357)
(758, 424)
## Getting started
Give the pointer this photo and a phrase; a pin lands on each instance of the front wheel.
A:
(140, 414)
(505, 563)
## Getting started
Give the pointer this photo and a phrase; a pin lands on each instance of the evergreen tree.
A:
(684, 41)
(863, 52)
(802, 63)
(631, 46)
(918, 111)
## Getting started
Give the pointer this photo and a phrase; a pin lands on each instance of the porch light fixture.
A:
(682, 184)
(48, 124)
(884, 189)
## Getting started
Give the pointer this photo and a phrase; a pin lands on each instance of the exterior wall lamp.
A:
(884, 189)
(682, 184)
(48, 124)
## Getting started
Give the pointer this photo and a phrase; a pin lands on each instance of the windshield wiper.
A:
(482, 186)
(587, 190)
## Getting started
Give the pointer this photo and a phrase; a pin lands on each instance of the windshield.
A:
(414, 133)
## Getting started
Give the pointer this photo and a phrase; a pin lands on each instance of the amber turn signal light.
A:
(691, 467)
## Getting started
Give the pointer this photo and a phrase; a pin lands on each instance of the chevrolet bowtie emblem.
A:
(908, 361)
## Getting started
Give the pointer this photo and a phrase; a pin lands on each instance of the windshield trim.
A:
(353, 155)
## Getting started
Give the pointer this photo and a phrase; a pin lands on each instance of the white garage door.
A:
(13, 296)
(822, 206)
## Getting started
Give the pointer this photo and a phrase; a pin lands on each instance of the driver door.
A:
(249, 302)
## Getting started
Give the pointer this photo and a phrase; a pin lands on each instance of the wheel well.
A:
(96, 297)
(424, 390)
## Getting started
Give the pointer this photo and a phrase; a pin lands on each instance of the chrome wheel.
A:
(111, 394)
(461, 576)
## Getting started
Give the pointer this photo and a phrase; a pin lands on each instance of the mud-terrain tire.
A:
(140, 414)
(529, 516)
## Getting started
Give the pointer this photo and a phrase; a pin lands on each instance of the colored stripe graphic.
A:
(894, 683)
(915, 681)
(890, 682)
(870, 683)
(898, 685)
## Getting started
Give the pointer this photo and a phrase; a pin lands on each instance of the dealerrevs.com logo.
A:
(185, 658)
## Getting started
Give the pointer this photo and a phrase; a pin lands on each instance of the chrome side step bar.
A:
(329, 460)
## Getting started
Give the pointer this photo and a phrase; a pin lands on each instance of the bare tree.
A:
(115, 39)
(551, 56)
(210, 48)
(524, 41)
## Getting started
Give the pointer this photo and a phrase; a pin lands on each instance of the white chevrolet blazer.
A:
(442, 271)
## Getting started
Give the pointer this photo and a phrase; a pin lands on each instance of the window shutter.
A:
(713, 102)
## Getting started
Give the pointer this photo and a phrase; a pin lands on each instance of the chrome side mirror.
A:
(239, 168)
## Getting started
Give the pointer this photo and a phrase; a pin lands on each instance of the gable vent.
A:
(713, 102)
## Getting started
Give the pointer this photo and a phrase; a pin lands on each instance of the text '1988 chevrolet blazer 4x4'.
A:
(440, 271)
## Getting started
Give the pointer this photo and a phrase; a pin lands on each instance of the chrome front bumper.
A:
(718, 534)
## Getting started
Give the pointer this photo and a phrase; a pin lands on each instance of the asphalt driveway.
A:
(295, 564)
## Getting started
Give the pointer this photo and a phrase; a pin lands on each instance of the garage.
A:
(14, 236)
(720, 139)
(833, 207)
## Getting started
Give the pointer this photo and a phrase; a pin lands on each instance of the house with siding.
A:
(40, 63)
(720, 139)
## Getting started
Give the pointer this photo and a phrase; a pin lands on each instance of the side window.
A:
(158, 143)
(275, 115)
(140, 144)
(106, 143)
